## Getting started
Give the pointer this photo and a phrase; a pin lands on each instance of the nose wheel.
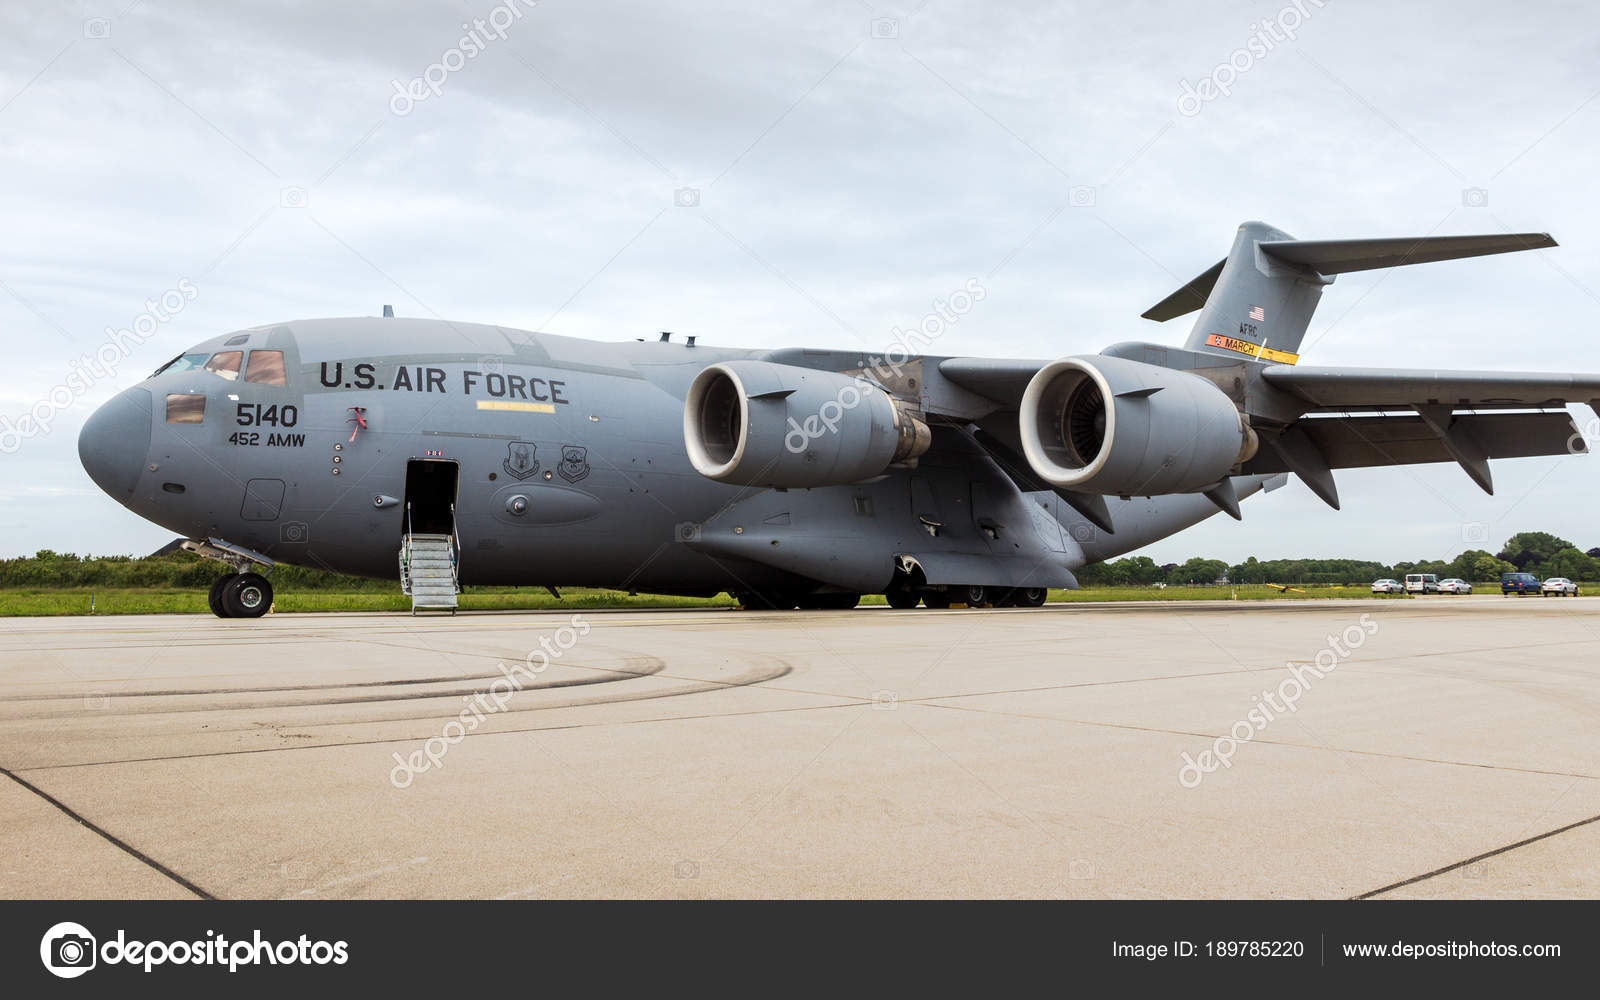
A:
(240, 595)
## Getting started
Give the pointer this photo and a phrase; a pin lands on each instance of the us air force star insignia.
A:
(521, 460)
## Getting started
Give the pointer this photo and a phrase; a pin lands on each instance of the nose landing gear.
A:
(242, 593)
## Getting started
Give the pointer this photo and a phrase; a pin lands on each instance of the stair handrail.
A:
(405, 553)
(455, 552)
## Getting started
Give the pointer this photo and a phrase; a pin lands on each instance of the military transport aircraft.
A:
(457, 454)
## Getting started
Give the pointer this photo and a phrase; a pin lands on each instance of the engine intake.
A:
(755, 423)
(1117, 427)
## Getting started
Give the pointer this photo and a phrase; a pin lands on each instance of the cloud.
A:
(845, 180)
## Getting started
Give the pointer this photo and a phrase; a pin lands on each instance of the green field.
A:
(159, 600)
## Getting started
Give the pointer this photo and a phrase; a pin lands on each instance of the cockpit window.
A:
(181, 363)
(225, 363)
(265, 367)
(185, 408)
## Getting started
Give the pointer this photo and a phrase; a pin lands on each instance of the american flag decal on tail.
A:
(1258, 314)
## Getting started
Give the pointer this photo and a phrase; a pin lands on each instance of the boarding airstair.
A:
(429, 568)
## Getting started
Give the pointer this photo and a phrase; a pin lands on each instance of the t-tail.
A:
(1258, 300)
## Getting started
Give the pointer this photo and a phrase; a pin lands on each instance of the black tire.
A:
(829, 602)
(902, 598)
(1030, 597)
(938, 600)
(247, 595)
(214, 598)
(972, 595)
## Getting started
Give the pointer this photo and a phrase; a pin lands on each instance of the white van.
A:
(1422, 583)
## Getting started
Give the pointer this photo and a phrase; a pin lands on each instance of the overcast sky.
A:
(852, 162)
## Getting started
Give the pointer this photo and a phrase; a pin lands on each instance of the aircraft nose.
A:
(115, 441)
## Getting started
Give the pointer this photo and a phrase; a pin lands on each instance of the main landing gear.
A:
(242, 593)
(906, 597)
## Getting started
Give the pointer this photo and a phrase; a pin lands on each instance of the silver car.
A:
(1454, 586)
(1559, 586)
(1388, 587)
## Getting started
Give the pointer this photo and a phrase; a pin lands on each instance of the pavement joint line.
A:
(1275, 743)
(108, 836)
(1447, 869)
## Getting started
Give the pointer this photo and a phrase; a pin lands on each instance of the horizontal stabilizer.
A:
(1339, 256)
(1188, 298)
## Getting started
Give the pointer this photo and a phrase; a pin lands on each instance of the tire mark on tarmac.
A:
(109, 837)
(650, 666)
(750, 677)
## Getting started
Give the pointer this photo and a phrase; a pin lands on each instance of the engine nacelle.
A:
(1124, 428)
(755, 423)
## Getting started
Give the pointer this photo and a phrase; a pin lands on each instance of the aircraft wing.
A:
(1312, 420)
(1331, 388)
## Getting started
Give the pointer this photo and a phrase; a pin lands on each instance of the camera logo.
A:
(293, 197)
(885, 28)
(1474, 198)
(686, 197)
(1474, 532)
(687, 531)
(97, 27)
(68, 950)
(293, 532)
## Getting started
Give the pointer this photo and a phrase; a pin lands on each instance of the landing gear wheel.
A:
(247, 595)
(214, 599)
(939, 600)
(903, 598)
(1030, 597)
(973, 596)
(834, 602)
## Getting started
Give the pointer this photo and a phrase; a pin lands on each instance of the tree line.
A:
(1537, 552)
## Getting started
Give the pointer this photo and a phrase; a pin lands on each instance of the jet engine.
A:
(1112, 426)
(755, 423)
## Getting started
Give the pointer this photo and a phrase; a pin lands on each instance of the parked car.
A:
(1559, 586)
(1518, 583)
(1422, 583)
(1454, 585)
(1387, 586)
